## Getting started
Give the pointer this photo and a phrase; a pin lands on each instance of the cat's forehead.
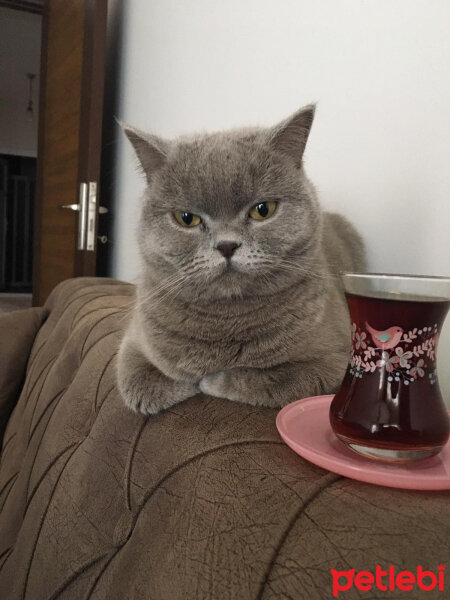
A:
(220, 173)
(225, 154)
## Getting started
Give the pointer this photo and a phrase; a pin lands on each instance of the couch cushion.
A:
(17, 332)
(201, 501)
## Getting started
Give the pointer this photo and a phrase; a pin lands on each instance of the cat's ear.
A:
(151, 150)
(290, 136)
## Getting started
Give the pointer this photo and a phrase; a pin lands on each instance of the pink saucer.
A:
(305, 427)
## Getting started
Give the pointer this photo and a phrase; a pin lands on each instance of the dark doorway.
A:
(17, 185)
(20, 44)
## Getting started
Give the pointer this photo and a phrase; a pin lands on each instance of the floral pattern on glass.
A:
(405, 356)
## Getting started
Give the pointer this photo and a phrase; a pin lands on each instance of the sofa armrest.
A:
(201, 501)
(17, 332)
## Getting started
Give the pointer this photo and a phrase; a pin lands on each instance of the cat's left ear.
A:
(290, 136)
(151, 150)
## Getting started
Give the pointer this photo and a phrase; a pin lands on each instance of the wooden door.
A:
(69, 143)
(3, 183)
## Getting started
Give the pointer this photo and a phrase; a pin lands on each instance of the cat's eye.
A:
(187, 219)
(263, 211)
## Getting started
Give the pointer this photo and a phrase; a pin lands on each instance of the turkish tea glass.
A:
(389, 406)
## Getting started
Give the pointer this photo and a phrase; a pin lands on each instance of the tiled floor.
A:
(9, 302)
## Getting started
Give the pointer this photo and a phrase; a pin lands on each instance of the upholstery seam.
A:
(129, 464)
(28, 395)
(100, 379)
(8, 440)
(5, 445)
(44, 343)
(39, 419)
(5, 552)
(33, 358)
(6, 555)
(99, 576)
(93, 327)
(77, 445)
(55, 405)
(112, 388)
(169, 475)
(328, 480)
(53, 462)
(42, 520)
(98, 341)
(90, 312)
(74, 576)
(72, 325)
(11, 480)
(35, 489)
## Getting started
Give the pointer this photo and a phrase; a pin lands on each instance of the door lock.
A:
(87, 209)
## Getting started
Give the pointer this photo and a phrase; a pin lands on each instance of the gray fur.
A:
(275, 326)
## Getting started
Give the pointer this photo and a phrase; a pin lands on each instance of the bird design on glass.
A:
(385, 339)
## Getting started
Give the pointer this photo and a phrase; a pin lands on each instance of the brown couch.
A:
(202, 501)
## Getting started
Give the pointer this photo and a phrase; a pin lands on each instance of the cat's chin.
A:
(228, 283)
(228, 292)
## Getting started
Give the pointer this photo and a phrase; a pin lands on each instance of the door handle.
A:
(75, 207)
(87, 209)
(83, 206)
(82, 209)
(102, 210)
(91, 221)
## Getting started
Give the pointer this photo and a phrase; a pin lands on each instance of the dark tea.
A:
(389, 406)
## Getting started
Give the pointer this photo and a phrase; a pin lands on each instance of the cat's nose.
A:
(227, 248)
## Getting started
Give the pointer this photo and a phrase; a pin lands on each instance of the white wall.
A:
(20, 48)
(379, 151)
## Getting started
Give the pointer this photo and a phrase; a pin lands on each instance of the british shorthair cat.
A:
(239, 296)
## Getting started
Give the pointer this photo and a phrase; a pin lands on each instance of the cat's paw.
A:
(153, 401)
(219, 384)
(146, 403)
(143, 387)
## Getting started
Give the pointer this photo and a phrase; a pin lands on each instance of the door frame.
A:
(93, 84)
(40, 151)
(90, 146)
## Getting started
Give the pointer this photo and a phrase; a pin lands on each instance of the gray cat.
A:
(238, 296)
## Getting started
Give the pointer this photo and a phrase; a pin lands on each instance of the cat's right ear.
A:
(290, 136)
(151, 150)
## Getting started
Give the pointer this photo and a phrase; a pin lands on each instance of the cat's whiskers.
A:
(293, 267)
(173, 291)
(161, 290)
(171, 287)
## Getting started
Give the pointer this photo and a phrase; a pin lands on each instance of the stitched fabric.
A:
(202, 501)
(17, 332)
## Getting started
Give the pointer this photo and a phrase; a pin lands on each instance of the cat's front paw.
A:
(219, 384)
(157, 397)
